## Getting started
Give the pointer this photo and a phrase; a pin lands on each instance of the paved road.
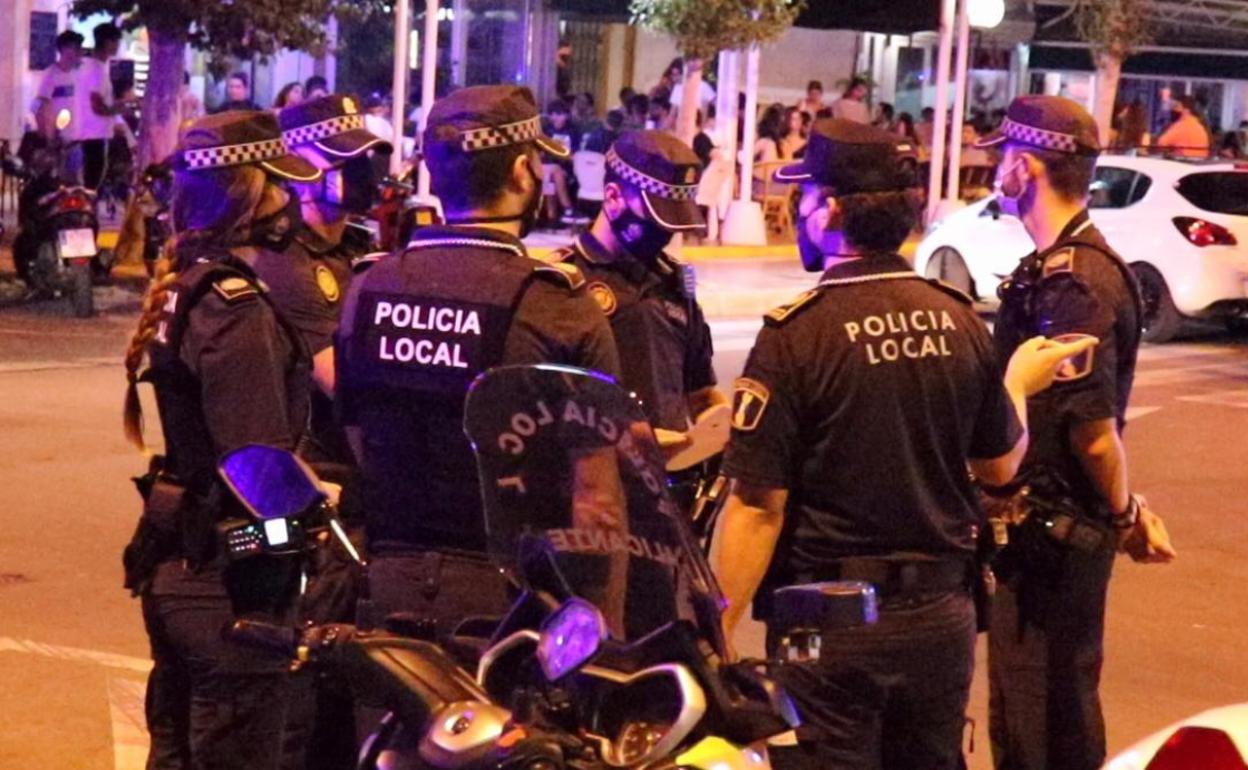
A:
(72, 649)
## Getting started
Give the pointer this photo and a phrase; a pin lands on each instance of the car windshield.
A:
(1221, 192)
(576, 498)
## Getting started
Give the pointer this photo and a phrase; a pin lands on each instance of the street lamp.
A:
(986, 14)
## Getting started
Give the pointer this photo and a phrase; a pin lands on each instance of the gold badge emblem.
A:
(348, 106)
(749, 401)
(327, 283)
(605, 298)
(691, 175)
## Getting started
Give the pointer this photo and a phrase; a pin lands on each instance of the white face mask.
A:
(1008, 195)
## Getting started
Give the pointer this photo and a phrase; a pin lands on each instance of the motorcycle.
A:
(152, 197)
(612, 654)
(55, 249)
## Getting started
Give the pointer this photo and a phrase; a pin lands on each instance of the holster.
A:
(158, 535)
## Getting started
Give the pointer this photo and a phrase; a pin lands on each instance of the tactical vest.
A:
(426, 322)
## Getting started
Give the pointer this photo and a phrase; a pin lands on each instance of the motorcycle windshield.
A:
(576, 498)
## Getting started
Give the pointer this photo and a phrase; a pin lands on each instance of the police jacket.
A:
(416, 329)
(1077, 286)
(227, 372)
(864, 398)
(662, 335)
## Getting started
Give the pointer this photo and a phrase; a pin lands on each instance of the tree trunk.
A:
(161, 113)
(1108, 72)
(687, 128)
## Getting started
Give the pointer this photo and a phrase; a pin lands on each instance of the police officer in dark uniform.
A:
(663, 338)
(861, 406)
(1048, 620)
(227, 372)
(420, 325)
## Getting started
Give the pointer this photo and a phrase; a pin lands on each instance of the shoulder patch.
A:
(605, 298)
(951, 290)
(780, 315)
(563, 273)
(235, 289)
(361, 264)
(1060, 261)
(749, 401)
(1076, 367)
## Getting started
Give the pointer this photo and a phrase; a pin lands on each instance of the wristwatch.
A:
(1128, 517)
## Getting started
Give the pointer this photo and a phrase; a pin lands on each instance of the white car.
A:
(1182, 226)
(1216, 739)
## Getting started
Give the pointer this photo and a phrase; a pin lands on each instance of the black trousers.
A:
(1045, 651)
(891, 696)
(212, 704)
(94, 162)
(444, 588)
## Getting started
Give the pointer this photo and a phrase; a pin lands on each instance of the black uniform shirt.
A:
(663, 338)
(1077, 286)
(308, 283)
(864, 398)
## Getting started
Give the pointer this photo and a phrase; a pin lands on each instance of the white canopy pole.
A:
(940, 123)
(959, 101)
(398, 96)
(726, 108)
(429, 67)
(750, 135)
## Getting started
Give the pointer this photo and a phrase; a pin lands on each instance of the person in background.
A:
(584, 113)
(813, 102)
(905, 127)
(315, 87)
(97, 120)
(706, 140)
(796, 128)
(1186, 136)
(563, 68)
(852, 105)
(1230, 148)
(661, 117)
(884, 115)
(971, 154)
(557, 171)
(601, 138)
(59, 85)
(706, 93)
(925, 130)
(1132, 133)
(767, 145)
(668, 80)
(237, 94)
(626, 94)
(637, 112)
(290, 95)
(190, 108)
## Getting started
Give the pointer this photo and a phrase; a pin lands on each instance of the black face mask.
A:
(278, 230)
(351, 187)
(643, 238)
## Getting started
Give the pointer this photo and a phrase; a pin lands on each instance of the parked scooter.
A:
(55, 249)
(612, 654)
(153, 196)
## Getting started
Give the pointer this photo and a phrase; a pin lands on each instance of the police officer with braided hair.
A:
(664, 340)
(228, 372)
(1048, 620)
(862, 404)
(416, 329)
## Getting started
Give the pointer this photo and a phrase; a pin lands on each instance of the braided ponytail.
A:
(153, 305)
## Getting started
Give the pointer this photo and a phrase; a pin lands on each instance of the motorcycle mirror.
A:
(834, 605)
(272, 483)
(570, 638)
(63, 119)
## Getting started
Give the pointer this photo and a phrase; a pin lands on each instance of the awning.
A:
(897, 17)
(1191, 64)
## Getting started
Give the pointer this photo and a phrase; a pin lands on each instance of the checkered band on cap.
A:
(323, 129)
(1039, 137)
(475, 139)
(647, 183)
(234, 154)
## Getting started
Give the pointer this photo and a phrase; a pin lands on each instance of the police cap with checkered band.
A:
(480, 118)
(332, 124)
(240, 138)
(1051, 123)
(852, 158)
(665, 172)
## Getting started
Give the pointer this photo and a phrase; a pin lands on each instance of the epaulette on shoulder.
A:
(952, 291)
(562, 273)
(235, 288)
(786, 312)
(361, 264)
(1059, 262)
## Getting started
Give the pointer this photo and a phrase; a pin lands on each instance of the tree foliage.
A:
(1113, 27)
(240, 28)
(703, 28)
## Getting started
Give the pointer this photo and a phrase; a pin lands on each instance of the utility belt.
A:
(903, 578)
(177, 523)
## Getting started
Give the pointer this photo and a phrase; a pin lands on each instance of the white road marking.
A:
(1134, 412)
(1185, 374)
(76, 654)
(17, 367)
(126, 697)
(1233, 398)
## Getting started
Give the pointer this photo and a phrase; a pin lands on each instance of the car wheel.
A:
(1162, 320)
(947, 265)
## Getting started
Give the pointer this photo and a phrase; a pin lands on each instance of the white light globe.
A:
(986, 14)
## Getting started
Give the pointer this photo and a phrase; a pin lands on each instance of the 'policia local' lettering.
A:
(914, 334)
(438, 320)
